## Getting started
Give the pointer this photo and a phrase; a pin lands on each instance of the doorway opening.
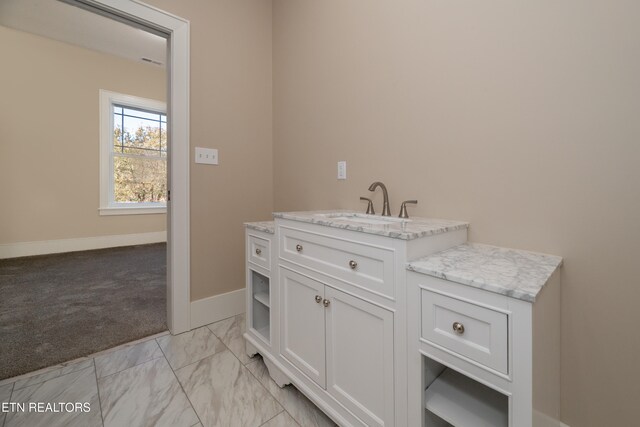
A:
(175, 31)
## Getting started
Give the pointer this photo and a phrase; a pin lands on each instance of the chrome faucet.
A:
(385, 206)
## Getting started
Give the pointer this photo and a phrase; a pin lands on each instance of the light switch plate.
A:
(208, 156)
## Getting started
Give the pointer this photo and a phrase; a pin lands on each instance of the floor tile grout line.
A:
(205, 357)
(62, 365)
(191, 363)
(4, 421)
(132, 343)
(242, 365)
(251, 360)
(284, 409)
(49, 379)
(225, 344)
(95, 372)
(132, 366)
(272, 417)
(14, 390)
(181, 387)
(58, 370)
(266, 388)
(226, 318)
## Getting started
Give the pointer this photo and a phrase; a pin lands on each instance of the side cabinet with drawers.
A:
(477, 358)
(338, 318)
(259, 243)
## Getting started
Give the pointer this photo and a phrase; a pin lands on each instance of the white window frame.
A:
(108, 206)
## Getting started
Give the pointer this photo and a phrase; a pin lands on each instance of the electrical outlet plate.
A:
(342, 169)
(207, 156)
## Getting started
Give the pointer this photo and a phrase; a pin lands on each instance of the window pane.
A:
(141, 133)
(117, 134)
(117, 110)
(139, 151)
(141, 114)
(139, 179)
(163, 139)
(133, 123)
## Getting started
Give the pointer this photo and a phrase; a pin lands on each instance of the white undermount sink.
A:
(363, 218)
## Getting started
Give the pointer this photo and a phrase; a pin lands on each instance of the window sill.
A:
(133, 210)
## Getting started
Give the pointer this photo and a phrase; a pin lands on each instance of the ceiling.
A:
(73, 25)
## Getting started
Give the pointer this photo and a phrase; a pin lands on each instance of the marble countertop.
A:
(511, 272)
(264, 226)
(413, 228)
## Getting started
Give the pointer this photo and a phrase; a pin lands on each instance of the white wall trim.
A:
(217, 307)
(544, 420)
(133, 210)
(177, 30)
(14, 250)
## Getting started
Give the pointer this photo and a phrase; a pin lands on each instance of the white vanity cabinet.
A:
(382, 322)
(259, 316)
(338, 299)
(484, 343)
(342, 342)
(338, 311)
(302, 324)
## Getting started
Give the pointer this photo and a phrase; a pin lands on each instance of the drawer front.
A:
(259, 251)
(476, 332)
(361, 264)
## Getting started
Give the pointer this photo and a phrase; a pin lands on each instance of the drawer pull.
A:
(258, 251)
(458, 328)
(326, 302)
(318, 299)
(299, 248)
(353, 264)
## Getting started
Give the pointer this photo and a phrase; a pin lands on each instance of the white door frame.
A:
(176, 30)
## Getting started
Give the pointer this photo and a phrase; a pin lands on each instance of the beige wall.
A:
(231, 111)
(49, 138)
(521, 117)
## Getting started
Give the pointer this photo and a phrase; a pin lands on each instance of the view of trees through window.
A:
(139, 156)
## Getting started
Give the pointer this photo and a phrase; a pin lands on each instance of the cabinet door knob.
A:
(353, 264)
(318, 299)
(258, 251)
(299, 248)
(458, 328)
(326, 302)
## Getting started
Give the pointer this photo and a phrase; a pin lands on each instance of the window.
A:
(133, 155)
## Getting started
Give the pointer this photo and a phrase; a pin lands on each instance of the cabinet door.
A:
(302, 330)
(360, 357)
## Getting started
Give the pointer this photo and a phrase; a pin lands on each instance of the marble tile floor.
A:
(200, 378)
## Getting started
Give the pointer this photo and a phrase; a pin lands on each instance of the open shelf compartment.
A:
(262, 298)
(463, 402)
(260, 309)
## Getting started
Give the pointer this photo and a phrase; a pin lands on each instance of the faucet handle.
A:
(403, 208)
(370, 210)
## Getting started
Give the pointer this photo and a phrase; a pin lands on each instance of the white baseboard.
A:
(544, 420)
(208, 310)
(14, 250)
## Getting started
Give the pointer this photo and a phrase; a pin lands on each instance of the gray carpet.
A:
(55, 308)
